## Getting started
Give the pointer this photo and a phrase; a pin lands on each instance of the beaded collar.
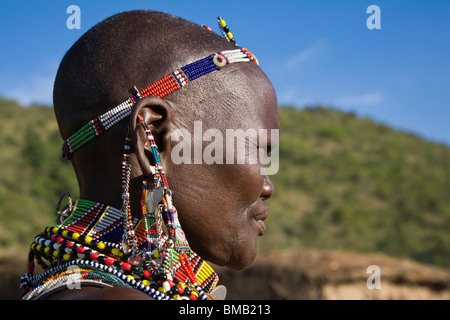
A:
(73, 257)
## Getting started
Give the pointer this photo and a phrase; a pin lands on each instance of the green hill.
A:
(344, 183)
(32, 175)
(352, 184)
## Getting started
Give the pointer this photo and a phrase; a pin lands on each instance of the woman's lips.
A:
(259, 218)
(261, 227)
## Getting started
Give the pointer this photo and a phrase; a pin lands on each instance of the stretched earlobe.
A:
(156, 113)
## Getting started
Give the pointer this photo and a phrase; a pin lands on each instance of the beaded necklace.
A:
(189, 278)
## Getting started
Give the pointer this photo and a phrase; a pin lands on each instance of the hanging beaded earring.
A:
(61, 215)
(129, 241)
(157, 199)
(151, 196)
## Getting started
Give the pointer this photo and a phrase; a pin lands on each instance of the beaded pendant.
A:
(225, 30)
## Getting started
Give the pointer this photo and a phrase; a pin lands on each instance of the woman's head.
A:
(218, 198)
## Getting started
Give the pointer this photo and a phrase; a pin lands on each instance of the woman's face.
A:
(220, 201)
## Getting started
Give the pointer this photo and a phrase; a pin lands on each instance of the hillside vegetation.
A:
(352, 184)
(32, 175)
(344, 183)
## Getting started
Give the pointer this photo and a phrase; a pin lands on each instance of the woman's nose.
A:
(268, 189)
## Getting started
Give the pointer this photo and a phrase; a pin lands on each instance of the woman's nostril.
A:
(268, 189)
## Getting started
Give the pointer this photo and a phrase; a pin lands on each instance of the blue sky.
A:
(315, 52)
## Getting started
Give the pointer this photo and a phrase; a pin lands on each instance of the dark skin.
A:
(220, 206)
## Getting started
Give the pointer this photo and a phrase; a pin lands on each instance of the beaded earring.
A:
(129, 240)
(157, 202)
(61, 215)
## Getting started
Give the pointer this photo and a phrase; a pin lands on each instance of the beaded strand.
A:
(129, 236)
(225, 30)
(155, 294)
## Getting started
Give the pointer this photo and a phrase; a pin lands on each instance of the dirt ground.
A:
(332, 275)
(309, 275)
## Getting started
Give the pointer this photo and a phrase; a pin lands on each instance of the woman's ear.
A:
(157, 114)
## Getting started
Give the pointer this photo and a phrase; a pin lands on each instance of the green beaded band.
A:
(83, 136)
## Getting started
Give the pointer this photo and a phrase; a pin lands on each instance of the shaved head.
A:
(129, 49)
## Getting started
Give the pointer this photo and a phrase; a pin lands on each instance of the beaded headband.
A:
(173, 81)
